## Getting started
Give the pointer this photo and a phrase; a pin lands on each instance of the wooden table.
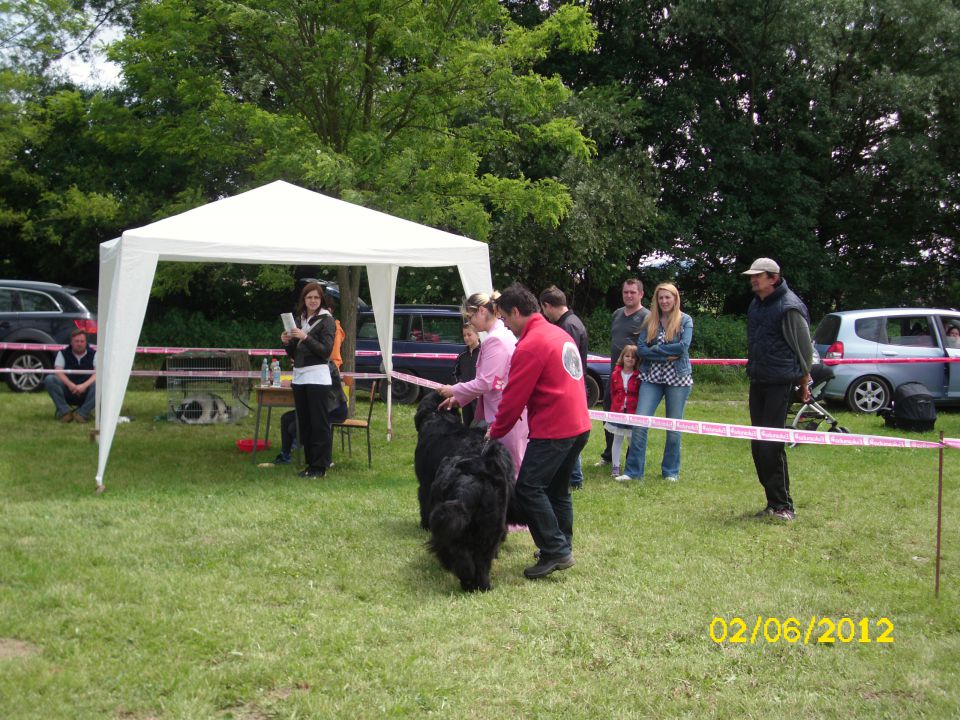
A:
(269, 398)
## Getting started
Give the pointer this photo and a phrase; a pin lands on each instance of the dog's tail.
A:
(449, 520)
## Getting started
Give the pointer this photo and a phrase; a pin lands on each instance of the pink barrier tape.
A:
(147, 350)
(745, 432)
(749, 432)
(181, 373)
(416, 380)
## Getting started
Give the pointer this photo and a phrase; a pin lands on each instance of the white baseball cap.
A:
(762, 265)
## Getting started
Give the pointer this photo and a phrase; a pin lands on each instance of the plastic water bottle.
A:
(275, 368)
(264, 374)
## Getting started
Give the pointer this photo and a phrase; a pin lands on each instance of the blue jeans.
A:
(576, 476)
(64, 399)
(650, 395)
(543, 492)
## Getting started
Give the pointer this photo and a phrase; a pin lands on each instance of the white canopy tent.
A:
(278, 223)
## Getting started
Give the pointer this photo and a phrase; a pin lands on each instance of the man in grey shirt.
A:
(779, 356)
(553, 303)
(624, 329)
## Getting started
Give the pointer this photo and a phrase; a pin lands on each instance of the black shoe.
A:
(576, 486)
(545, 566)
(312, 472)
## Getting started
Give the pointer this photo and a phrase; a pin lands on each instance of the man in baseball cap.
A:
(779, 357)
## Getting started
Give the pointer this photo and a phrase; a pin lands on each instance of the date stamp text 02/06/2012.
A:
(792, 630)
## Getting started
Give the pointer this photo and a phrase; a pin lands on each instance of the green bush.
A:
(193, 329)
(722, 336)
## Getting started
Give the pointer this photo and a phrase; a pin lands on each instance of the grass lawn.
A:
(201, 586)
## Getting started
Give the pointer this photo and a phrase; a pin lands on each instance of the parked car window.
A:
(88, 299)
(868, 328)
(827, 330)
(6, 301)
(37, 302)
(436, 329)
(910, 331)
(368, 330)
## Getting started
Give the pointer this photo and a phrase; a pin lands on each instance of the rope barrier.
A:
(743, 432)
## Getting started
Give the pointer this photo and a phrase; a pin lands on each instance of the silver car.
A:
(889, 333)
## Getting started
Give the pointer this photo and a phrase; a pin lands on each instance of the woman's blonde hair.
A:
(624, 352)
(671, 328)
(479, 300)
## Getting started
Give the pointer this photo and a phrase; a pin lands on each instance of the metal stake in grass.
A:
(936, 587)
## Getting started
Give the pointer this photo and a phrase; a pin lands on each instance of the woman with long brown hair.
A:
(666, 374)
(310, 345)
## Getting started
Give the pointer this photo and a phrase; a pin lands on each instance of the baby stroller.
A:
(812, 414)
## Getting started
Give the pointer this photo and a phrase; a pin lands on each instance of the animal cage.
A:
(205, 399)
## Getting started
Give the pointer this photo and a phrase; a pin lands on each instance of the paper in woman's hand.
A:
(288, 322)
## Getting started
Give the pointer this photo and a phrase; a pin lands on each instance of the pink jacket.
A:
(493, 367)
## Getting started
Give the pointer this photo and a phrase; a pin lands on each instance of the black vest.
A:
(70, 362)
(769, 358)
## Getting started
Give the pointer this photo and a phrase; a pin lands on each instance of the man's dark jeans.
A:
(768, 408)
(607, 454)
(543, 491)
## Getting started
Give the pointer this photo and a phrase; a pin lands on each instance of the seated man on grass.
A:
(74, 382)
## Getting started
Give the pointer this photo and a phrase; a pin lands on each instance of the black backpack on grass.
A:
(913, 408)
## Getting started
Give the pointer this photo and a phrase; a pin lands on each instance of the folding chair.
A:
(350, 424)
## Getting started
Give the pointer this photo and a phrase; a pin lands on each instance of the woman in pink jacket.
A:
(493, 367)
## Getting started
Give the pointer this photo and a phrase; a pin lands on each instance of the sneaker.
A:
(281, 459)
(670, 478)
(602, 462)
(99, 489)
(545, 566)
(784, 514)
(66, 417)
(312, 472)
(624, 478)
(766, 512)
(615, 471)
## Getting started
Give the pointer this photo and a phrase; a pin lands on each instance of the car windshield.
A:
(89, 299)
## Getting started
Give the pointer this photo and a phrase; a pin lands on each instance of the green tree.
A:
(387, 104)
(824, 134)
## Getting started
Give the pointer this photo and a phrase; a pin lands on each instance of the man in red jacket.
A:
(546, 377)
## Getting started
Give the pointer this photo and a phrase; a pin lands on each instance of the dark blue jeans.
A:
(543, 491)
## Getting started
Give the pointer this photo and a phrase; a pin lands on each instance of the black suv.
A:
(39, 312)
(435, 333)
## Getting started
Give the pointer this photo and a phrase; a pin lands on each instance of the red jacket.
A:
(624, 401)
(556, 401)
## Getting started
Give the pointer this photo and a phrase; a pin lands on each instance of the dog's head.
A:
(428, 409)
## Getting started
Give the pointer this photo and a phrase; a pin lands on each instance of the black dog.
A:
(440, 434)
(468, 513)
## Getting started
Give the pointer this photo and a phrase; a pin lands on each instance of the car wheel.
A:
(27, 382)
(404, 393)
(593, 390)
(868, 394)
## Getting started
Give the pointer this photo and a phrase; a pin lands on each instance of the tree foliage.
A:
(707, 132)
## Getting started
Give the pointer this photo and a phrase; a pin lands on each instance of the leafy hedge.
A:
(193, 329)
